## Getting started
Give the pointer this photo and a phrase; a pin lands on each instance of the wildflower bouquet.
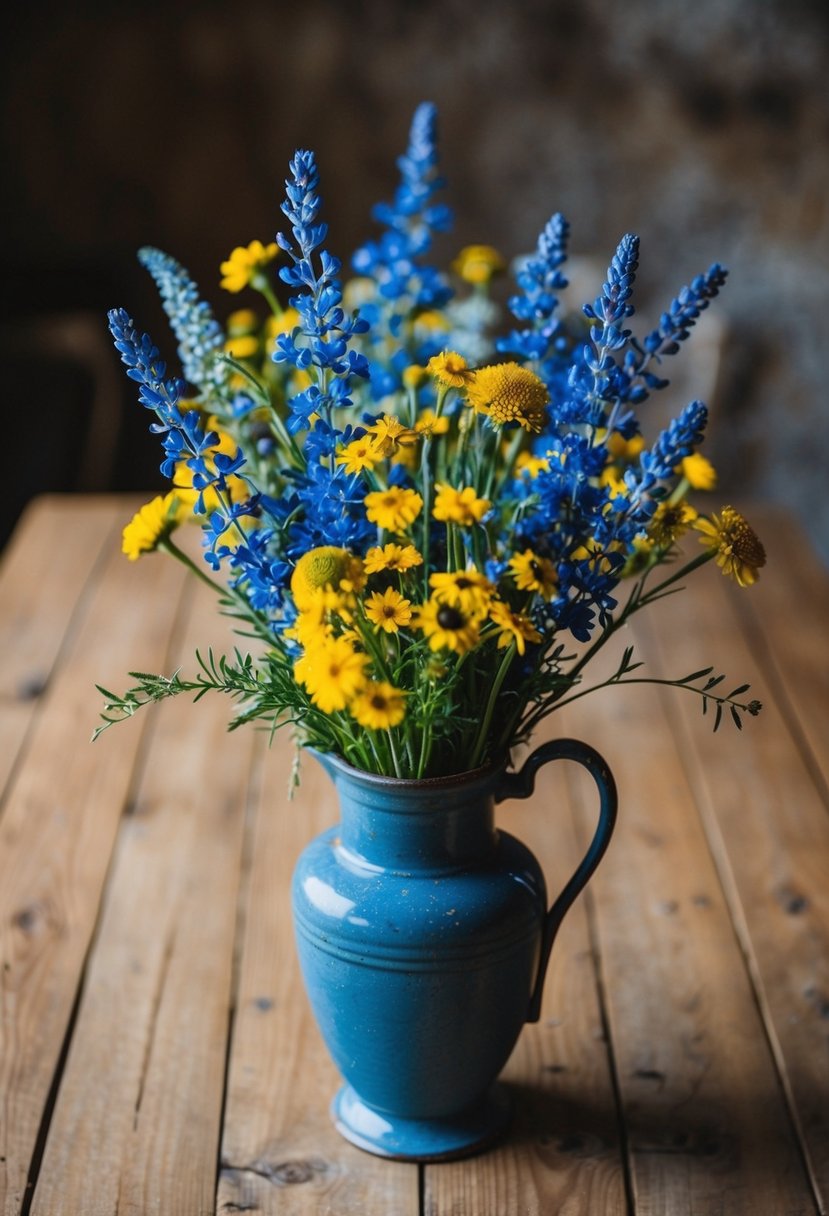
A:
(428, 532)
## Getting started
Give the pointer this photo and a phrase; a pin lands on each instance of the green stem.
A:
(500, 676)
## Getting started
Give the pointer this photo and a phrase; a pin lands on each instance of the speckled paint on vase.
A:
(423, 935)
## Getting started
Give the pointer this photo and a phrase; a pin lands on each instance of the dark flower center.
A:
(461, 582)
(449, 618)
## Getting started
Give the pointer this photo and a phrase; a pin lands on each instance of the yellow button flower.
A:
(322, 568)
(364, 453)
(508, 392)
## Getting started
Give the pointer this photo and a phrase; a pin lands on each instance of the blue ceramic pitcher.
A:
(423, 935)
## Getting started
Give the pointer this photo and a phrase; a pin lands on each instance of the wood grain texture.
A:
(41, 584)
(768, 829)
(707, 1127)
(785, 620)
(280, 1152)
(562, 1152)
(56, 837)
(136, 1124)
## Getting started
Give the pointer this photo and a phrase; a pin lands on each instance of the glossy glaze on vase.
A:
(423, 934)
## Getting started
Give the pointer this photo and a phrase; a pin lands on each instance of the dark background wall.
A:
(704, 127)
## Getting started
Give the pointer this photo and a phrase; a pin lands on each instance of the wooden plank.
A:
(787, 614)
(280, 1152)
(768, 829)
(41, 582)
(708, 1129)
(136, 1124)
(56, 838)
(562, 1153)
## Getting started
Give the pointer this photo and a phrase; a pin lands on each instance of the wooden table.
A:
(157, 1052)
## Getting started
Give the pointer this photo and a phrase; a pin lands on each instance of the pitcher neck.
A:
(415, 825)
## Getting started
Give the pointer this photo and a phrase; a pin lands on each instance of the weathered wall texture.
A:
(703, 127)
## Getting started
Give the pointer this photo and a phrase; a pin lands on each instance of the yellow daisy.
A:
(393, 509)
(534, 573)
(391, 557)
(364, 453)
(698, 472)
(245, 264)
(152, 524)
(450, 369)
(467, 589)
(378, 705)
(448, 627)
(514, 626)
(332, 672)
(428, 423)
(477, 264)
(670, 521)
(739, 551)
(459, 506)
(388, 610)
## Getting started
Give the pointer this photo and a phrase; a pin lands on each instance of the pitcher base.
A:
(470, 1131)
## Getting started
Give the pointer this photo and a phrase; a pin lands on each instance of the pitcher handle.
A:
(521, 785)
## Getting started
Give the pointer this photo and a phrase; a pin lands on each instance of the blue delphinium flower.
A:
(200, 336)
(405, 283)
(540, 280)
(321, 344)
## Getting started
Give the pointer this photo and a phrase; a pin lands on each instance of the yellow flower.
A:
(428, 423)
(390, 432)
(448, 627)
(450, 369)
(242, 321)
(698, 472)
(245, 265)
(391, 557)
(152, 524)
(360, 454)
(670, 521)
(531, 465)
(388, 610)
(459, 506)
(508, 392)
(478, 263)
(415, 376)
(431, 319)
(378, 705)
(243, 346)
(467, 589)
(640, 558)
(324, 568)
(739, 550)
(394, 508)
(332, 672)
(626, 451)
(534, 573)
(515, 627)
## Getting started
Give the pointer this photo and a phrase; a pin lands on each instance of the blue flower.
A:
(199, 335)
